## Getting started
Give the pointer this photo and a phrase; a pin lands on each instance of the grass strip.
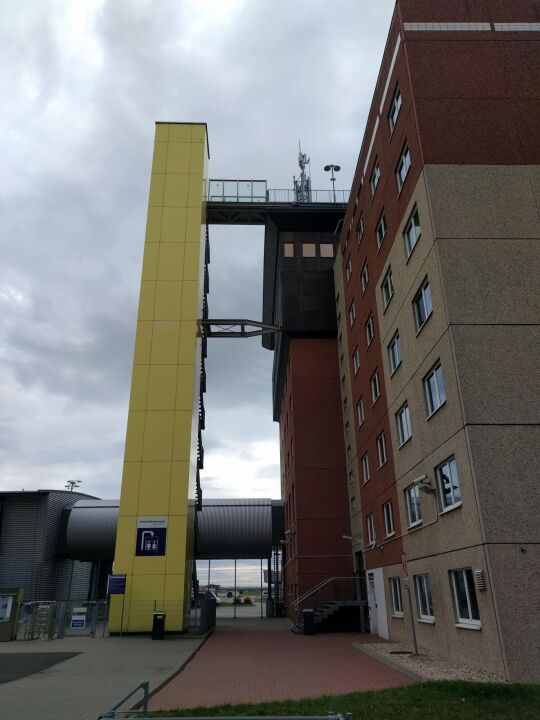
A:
(441, 700)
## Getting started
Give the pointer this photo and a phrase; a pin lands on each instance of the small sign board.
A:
(405, 583)
(151, 536)
(116, 585)
(78, 622)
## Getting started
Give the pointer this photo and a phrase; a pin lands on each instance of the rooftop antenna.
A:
(302, 185)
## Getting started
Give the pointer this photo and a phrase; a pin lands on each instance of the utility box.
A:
(309, 622)
(10, 599)
(158, 626)
(270, 609)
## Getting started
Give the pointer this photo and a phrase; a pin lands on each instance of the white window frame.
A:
(394, 353)
(403, 167)
(380, 230)
(348, 269)
(397, 600)
(360, 229)
(370, 330)
(434, 392)
(352, 313)
(375, 387)
(360, 416)
(447, 475)
(375, 177)
(370, 524)
(424, 598)
(423, 300)
(364, 277)
(388, 515)
(413, 505)
(381, 449)
(356, 360)
(403, 422)
(395, 107)
(387, 288)
(412, 232)
(365, 467)
(468, 583)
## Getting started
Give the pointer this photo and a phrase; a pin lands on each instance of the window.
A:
(370, 330)
(288, 250)
(360, 230)
(412, 232)
(381, 448)
(464, 593)
(351, 476)
(326, 250)
(448, 484)
(403, 420)
(388, 519)
(356, 361)
(352, 314)
(387, 288)
(365, 467)
(424, 600)
(412, 504)
(394, 109)
(340, 336)
(422, 306)
(395, 591)
(341, 360)
(375, 177)
(381, 230)
(364, 277)
(348, 269)
(308, 250)
(394, 353)
(375, 386)
(403, 167)
(370, 522)
(434, 389)
(353, 502)
(360, 412)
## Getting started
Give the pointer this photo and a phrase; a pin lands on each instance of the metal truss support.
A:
(235, 328)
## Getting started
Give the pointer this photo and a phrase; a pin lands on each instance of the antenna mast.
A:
(302, 185)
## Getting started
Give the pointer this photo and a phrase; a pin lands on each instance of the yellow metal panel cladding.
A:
(161, 439)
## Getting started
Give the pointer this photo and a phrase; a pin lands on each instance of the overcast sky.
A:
(82, 83)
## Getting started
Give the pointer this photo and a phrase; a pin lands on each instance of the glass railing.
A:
(256, 191)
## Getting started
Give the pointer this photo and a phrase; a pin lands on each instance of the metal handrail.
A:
(111, 712)
(329, 590)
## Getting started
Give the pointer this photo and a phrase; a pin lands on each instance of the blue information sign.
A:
(151, 536)
(116, 585)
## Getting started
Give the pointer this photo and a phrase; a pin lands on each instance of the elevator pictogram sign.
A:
(151, 536)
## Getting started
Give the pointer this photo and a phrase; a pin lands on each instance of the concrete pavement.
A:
(85, 685)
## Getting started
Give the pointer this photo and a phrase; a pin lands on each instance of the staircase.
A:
(328, 600)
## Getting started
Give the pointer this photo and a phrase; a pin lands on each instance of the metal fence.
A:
(42, 620)
(256, 191)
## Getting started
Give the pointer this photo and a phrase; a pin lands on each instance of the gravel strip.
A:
(428, 667)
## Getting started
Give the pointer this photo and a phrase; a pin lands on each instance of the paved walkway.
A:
(243, 661)
(87, 684)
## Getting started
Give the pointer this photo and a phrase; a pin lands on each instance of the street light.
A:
(333, 168)
(72, 484)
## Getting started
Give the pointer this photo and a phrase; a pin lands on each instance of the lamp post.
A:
(332, 169)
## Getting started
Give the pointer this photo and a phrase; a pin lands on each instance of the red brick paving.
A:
(250, 665)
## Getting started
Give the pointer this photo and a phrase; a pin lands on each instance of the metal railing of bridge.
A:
(256, 191)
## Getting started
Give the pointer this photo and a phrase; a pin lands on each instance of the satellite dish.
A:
(327, 168)
(337, 168)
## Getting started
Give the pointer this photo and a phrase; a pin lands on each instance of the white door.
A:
(377, 603)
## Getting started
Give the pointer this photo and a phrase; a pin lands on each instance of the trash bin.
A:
(309, 622)
(270, 608)
(158, 626)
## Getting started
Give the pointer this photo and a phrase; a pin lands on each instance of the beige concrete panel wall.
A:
(482, 201)
(442, 531)
(491, 281)
(499, 372)
(349, 418)
(477, 648)
(505, 460)
(517, 582)
(427, 432)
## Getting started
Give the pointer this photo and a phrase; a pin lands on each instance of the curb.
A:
(392, 664)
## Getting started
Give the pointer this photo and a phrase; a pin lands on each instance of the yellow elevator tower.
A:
(154, 542)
